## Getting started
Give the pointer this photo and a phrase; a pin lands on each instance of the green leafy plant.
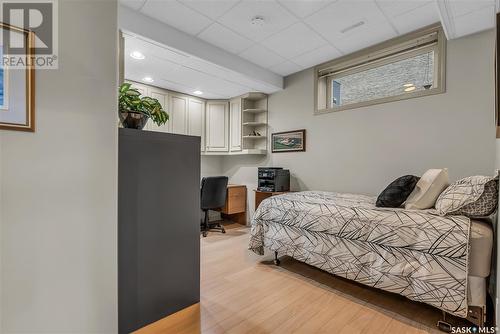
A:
(130, 100)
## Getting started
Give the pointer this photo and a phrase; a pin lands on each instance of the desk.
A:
(262, 195)
(236, 204)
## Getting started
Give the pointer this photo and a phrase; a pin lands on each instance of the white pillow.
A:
(428, 189)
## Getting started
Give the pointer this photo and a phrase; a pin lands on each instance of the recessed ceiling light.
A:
(147, 79)
(198, 92)
(137, 55)
(257, 21)
(408, 85)
(409, 89)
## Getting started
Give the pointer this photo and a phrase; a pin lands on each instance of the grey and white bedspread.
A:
(410, 252)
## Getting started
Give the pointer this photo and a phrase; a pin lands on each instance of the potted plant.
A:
(135, 110)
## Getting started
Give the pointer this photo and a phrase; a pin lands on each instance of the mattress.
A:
(481, 246)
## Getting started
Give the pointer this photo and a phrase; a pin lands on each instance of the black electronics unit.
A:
(273, 179)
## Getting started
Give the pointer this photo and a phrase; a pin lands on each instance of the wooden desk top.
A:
(236, 185)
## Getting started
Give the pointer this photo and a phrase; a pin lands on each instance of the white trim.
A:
(446, 18)
(5, 106)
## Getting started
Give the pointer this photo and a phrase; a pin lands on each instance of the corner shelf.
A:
(254, 124)
(253, 137)
(254, 111)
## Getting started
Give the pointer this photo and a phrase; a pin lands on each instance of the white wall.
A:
(211, 165)
(362, 150)
(58, 239)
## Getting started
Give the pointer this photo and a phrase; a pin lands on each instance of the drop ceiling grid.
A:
(314, 21)
(211, 19)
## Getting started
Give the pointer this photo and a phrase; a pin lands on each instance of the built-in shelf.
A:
(254, 123)
(253, 137)
(254, 111)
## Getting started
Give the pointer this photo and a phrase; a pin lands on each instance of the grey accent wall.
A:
(158, 226)
(58, 187)
(362, 150)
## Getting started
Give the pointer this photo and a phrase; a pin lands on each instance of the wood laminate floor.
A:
(245, 293)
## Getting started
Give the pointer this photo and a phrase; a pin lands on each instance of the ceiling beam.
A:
(446, 17)
(137, 23)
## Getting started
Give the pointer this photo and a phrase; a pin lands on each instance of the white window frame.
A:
(419, 42)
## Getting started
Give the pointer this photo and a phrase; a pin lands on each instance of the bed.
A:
(441, 261)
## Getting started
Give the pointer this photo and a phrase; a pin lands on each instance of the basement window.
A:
(405, 67)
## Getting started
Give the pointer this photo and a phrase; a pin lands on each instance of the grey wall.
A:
(362, 150)
(59, 187)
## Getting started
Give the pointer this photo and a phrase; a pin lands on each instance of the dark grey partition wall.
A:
(158, 226)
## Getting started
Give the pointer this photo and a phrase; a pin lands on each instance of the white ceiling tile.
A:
(416, 18)
(465, 7)
(224, 38)
(239, 19)
(475, 21)
(176, 15)
(365, 36)
(303, 8)
(150, 49)
(341, 15)
(294, 41)
(399, 7)
(285, 68)
(317, 56)
(262, 56)
(211, 8)
(134, 4)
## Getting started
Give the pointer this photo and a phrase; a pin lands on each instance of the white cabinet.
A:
(235, 125)
(178, 114)
(217, 126)
(226, 127)
(162, 97)
(196, 119)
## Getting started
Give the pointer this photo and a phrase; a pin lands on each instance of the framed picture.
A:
(17, 84)
(289, 141)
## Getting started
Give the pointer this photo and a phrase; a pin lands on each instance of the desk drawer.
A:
(236, 201)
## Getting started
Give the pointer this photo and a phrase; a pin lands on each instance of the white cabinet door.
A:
(178, 114)
(162, 97)
(217, 122)
(235, 128)
(196, 119)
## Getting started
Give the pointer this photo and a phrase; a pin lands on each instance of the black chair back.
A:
(213, 192)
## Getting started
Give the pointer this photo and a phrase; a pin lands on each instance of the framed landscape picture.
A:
(288, 141)
(17, 85)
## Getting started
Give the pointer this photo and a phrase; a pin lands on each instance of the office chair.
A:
(213, 196)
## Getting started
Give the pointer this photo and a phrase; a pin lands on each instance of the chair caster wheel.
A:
(277, 262)
(223, 231)
(204, 234)
(444, 326)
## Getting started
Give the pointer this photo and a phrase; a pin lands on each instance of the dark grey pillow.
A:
(397, 192)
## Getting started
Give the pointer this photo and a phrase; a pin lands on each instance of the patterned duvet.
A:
(411, 252)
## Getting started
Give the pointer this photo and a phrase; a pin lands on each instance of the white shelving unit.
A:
(254, 119)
